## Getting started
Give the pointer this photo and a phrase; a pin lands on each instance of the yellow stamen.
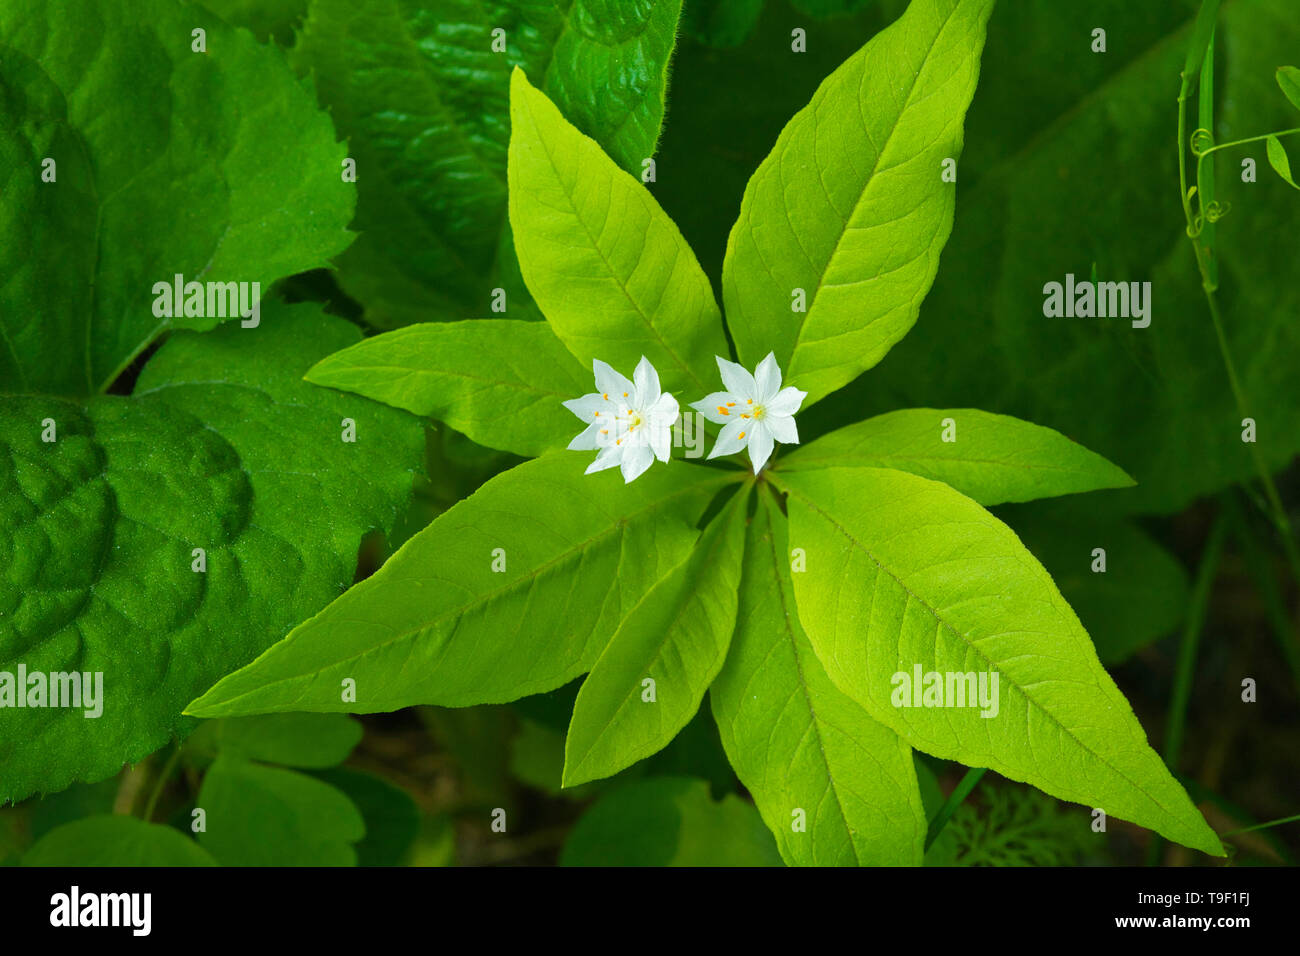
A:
(742, 435)
(723, 411)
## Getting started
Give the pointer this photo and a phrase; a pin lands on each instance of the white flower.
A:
(629, 422)
(753, 411)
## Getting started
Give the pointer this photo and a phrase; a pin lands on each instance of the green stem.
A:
(1185, 668)
(1263, 826)
(163, 774)
(1251, 139)
(959, 794)
(1261, 570)
(1278, 511)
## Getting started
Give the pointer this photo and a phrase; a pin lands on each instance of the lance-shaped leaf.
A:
(164, 539)
(798, 744)
(267, 816)
(841, 227)
(907, 577)
(116, 840)
(608, 268)
(677, 638)
(991, 458)
(421, 90)
(502, 382)
(513, 591)
(149, 180)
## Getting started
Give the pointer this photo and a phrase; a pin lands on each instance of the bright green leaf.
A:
(800, 745)
(501, 382)
(608, 268)
(423, 98)
(841, 227)
(159, 172)
(438, 625)
(1278, 160)
(115, 840)
(669, 821)
(676, 636)
(223, 448)
(265, 816)
(991, 458)
(904, 573)
(1202, 32)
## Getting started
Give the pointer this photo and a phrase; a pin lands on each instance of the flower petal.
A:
(661, 441)
(665, 411)
(646, 380)
(767, 379)
(729, 440)
(588, 439)
(787, 401)
(587, 407)
(760, 445)
(783, 428)
(609, 457)
(719, 407)
(610, 383)
(636, 459)
(738, 381)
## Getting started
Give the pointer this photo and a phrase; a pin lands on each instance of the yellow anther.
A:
(742, 435)
(723, 411)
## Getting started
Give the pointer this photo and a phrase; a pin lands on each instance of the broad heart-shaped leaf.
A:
(841, 227)
(608, 268)
(1038, 200)
(266, 816)
(991, 458)
(423, 97)
(1277, 158)
(1139, 597)
(513, 591)
(677, 637)
(215, 166)
(222, 448)
(1288, 80)
(799, 744)
(116, 840)
(294, 740)
(502, 382)
(904, 575)
(669, 821)
(266, 18)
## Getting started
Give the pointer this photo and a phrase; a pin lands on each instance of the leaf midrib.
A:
(811, 504)
(875, 168)
(482, 599)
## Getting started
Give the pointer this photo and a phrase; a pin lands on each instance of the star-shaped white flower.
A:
(629, 423)
(753, 411)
